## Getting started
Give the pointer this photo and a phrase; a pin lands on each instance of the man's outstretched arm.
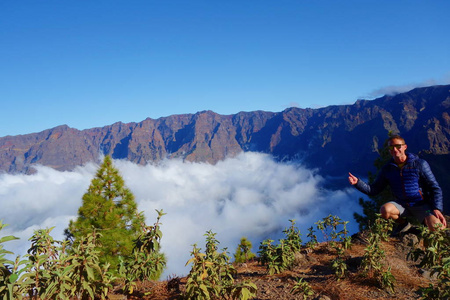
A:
(368, 189)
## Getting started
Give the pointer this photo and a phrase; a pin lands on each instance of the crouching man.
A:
(413, 185)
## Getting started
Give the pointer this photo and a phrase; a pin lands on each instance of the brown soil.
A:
(315, 268)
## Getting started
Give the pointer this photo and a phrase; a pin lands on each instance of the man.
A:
(413, 185)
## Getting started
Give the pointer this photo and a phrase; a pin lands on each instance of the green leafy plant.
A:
(55, 274)
(43, 258)
(435, 256)
(60, 283)
(11, 288)
(334, 230)
(281, 257)
(387, 280)
(293, 237)
(88, 277)
(335, 233)
(312, 243)
(211, 272)
(372, 263)
(198, 284)
(211, 275)
(441, 289)
(272, 256)
(303, 288)
(50, 273)
(147, 262)
(338, 265)
(9, 270)
(242, 291)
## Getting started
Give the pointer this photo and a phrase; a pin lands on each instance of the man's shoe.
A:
(401, 228)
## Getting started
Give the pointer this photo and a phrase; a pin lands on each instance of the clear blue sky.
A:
(90, 63)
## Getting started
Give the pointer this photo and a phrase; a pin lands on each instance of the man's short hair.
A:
(395, 137)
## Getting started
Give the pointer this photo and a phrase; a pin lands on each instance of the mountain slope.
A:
(333, 139)
(421, 115)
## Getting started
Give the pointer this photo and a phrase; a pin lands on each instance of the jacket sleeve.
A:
(375, 188)
(430, 186)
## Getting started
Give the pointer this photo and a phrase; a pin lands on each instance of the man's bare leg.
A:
(390, 211)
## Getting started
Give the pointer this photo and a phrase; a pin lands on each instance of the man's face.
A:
(397, 149)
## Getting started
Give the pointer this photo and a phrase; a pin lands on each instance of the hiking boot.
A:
(401, 228)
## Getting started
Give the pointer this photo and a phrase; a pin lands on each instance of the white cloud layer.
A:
(397, 89)
(250, 195)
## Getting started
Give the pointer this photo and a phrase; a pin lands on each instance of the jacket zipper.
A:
(403, 184)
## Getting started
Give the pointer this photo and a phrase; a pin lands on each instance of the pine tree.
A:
(243, 251)
(109, 209)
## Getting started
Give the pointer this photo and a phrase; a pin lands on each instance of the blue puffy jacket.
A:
(411, 185)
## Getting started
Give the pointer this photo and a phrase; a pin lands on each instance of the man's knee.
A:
(389, 211)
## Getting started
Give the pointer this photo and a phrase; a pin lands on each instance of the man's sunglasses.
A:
(398, 146)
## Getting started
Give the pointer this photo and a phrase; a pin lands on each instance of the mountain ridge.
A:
(333, 139)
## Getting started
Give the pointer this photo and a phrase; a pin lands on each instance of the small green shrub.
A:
(211, 275)
(334, 230)
(49, 272)
(303, 288)
(312, 243)
(86, 276)
(339, 266)
(242, 291)
(372, 263)
(293, 237)
(281, 257)
(146, 261)
(435, 256)
(335, 233)
(9, 270)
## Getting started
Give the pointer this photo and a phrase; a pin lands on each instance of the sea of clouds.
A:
(250, 195)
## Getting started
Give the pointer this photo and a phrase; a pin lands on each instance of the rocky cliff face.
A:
(333, 139)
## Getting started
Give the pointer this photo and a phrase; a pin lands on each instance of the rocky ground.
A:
(315, 268)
